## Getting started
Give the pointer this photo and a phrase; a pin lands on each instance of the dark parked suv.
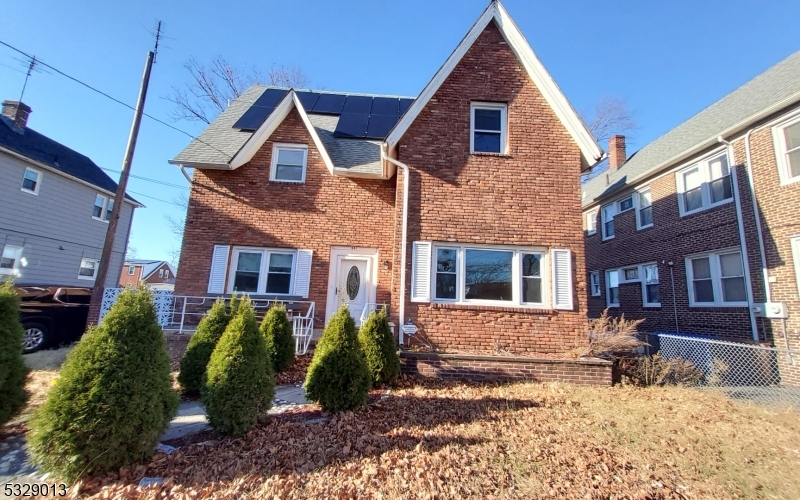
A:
(52, 315)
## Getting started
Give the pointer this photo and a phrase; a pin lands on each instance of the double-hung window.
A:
(289, 163)
(644, 209)
(489, 123)
(490, 275)
(795, 242)
(103, 206)
(612, 288)
(607, 220)
(88, 269)
(31, 181)
(131, 270)
(716, 279)
(786, 137)
(160, 273)
(10, 259)
(261, 271)
(651, 293)
(705, 184)
(594, 283)
(591, 222)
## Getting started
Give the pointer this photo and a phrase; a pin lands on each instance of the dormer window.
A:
(488, 127)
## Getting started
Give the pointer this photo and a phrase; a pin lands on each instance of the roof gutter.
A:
(403, 239)
(792, 99)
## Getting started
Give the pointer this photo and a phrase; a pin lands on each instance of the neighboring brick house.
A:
(153, 273)
(431, 205)
(668, 229)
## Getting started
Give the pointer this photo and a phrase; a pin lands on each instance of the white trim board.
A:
(590, 150)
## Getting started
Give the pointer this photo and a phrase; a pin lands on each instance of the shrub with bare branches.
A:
(611, 337)
(655, 370)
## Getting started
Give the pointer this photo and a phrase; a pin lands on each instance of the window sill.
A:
(8, 271)
(87, 278)
(608, 239)
(287, 182)
(651, 306)
(703, 209)
(615, 306)
(35, 193)
(715, 305)
(644, 227)
(98, 219)
(591, 233)
(482, 153)
(785, 181)
(477, 307)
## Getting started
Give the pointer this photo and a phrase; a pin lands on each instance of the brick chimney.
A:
(17, 111)
(616, 152)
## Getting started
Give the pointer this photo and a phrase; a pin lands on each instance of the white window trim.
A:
(503, 126)
(39, 176)
(131, 270)
(591, 223)
(637, 201)
(603, 220)
(516, 275)
(105, 210)
(592, 276)
(93, 276)
(643, 279)
(795, 244)
(779, 141)
(14, 270)
(273, 170)
(262, 273)
(704, 167)
(716, 278)
(623, 279)
(160, 273)
(608, 288)
(619, 208)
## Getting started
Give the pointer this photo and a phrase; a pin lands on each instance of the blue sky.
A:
(667, 60)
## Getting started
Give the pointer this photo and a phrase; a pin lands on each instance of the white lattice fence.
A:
(162, 299)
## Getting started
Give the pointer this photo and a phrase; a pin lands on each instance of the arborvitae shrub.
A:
(338, 378)
(113, 399)
(277, 332)
(379, 348)
(239, 384)
(12, 368)
(201, 345)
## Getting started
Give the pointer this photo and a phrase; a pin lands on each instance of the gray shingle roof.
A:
(776, 85)
(148, 266)
(220, 142)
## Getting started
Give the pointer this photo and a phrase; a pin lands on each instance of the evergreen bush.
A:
(113, 399)
(239, 384)
(201, 345)
(379, 348)
(277, 332)
(338, 378)
(12, 369)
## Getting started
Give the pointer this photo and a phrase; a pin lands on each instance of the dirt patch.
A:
(439, 439)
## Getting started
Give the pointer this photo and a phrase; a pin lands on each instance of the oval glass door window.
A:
(353, 283)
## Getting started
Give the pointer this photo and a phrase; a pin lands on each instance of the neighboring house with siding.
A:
(54, 208)
(674, 236)
(153, 273)
(431, 205)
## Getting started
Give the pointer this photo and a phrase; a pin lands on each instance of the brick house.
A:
(428, 204)
(674, 236)
(153, 273)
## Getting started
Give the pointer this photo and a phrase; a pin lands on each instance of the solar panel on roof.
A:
(385, 106)
(404, 105)
(307, 99)
(357, 104)
(329, 103)
(380, 125)
(270, 97)
(352, 125)
(260, 109)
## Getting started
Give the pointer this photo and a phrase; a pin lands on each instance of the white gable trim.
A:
(591, 151)
(260, 136)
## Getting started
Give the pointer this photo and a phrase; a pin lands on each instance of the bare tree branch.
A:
(611, 116)
(177, 226)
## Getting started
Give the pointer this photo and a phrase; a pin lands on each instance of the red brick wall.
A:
(130, 279)
(528, 197)
(671, 238)
(242, 207)
(154, 278)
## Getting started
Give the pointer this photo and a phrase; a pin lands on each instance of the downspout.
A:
(186, 174)
(737, 201)
(764, 269)
(403, 238)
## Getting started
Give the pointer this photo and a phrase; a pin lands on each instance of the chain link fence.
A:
(741, 371)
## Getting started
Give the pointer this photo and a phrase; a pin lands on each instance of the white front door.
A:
(352, 285)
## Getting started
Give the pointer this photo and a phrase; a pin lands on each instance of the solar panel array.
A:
(360, 117)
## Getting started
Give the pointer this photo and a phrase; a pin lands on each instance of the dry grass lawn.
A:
(447, 440)
(44, 366)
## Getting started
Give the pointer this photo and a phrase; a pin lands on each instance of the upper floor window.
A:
(787, 150)
(607, 218)
(261, 270)
(591, 222)
(131, 270)
(289, 163)
(10, 259)
(102, 208)
(31, 181)
(160, 273)
(488, 127)
(88, 269)
(716, 279)
(594, 283)
(644, 209)
(704, 185)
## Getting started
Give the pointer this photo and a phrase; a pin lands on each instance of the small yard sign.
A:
(409, 328)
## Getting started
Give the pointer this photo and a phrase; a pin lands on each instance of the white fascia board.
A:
(590, 150)
(254, 143)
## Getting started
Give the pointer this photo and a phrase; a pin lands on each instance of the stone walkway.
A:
(191, 418)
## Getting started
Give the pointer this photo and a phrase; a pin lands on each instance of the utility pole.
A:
(119, 197)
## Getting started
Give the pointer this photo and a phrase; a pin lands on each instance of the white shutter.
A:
(562, 278)
(421, 272)
(302, 273)
(219, 266)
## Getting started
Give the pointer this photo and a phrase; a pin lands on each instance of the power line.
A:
(148, 179)
(154, 198)
(39, 61)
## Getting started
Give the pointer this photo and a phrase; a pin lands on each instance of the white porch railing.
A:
(180, 314)
(369, 307)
